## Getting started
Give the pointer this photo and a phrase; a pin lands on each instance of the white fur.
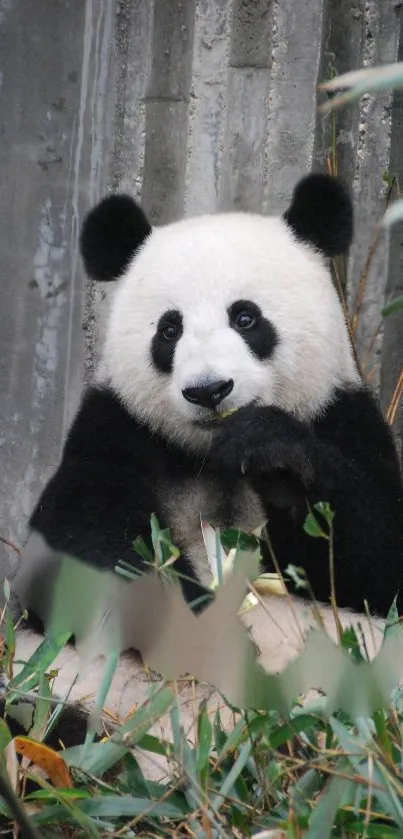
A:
(200, 267)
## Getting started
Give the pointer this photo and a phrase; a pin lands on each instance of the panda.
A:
(227, 391)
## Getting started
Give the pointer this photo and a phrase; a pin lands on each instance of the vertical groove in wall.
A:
(343, 33)
(206, 147)
(337, 134)
(124, 165)
(371, 161)
(167, 110)
(292, 98)
(93, 120)
(392, 351)
(133, 35)
(247, 98)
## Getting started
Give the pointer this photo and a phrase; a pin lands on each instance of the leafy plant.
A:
(301, 772)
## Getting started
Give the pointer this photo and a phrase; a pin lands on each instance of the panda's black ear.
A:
(321, 213)
(110, 236)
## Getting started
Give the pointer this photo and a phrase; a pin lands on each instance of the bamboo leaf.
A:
(395, 306)
(99, 757)
(47, 759)
(393, 214)
(43, 656)
(323, 816)
(356, 83)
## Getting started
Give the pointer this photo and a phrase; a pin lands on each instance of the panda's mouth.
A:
(215, 418)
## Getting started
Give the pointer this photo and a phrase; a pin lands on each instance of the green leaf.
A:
(5, 739)
(234, 739)
(42, 658)
(161, 539)
(297, 575)
(396, 305)
(99, 757)
(6, 589)
(304, 790)
(65, 812)
(349, 641)
(126, 805)
(204, 736)
(358, 82)
(42, 709)
(356, 752)
(102, 692)
(302, 723)
(234, 538)
(323, 816)
(313, 528)
(325, 510)
(393, 214)
(150, 743)
(49, 794)
(126, 570)
(132, 780)
(372, 831)
(384, 737)
(393, 626)
(220, 736)
(10, 641)
(141, 548)
(184, 753)
(233, 775)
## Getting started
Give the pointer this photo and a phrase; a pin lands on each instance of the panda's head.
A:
(221, 311)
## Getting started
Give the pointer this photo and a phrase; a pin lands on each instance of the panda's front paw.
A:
(255, 441)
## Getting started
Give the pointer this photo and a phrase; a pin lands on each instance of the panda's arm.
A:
(347, 458)
(107, 486)
(99, 499)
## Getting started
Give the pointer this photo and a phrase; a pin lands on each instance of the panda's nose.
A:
(209, 394)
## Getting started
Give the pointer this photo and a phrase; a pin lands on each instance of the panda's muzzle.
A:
(208, 394)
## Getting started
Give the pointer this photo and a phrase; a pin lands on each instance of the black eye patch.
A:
(258, 333)
(169, 331)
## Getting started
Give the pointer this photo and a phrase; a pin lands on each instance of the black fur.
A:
(169, 330)
(347, 458)
(102, 496)
(107, 486)
(112, 233)
(71, 725)
(321, 213)
(260, 335)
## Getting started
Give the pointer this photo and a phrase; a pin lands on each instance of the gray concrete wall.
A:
(194, 105)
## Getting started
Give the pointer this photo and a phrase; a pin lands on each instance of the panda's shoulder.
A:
(110, 451)
(105, 430)
(353, 410)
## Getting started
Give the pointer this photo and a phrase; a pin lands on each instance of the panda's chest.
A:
(221, 504)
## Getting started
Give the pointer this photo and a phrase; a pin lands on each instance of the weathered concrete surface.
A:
(55, 74)
(393, 333)
(195, 105)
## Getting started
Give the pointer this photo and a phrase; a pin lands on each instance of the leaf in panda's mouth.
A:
(225, 414)
(216, 418)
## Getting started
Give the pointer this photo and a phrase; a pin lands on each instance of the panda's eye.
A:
(163, 345)
(170, 326)
(260, 335)
(244, 315)
(245, 320)
(170, 332)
